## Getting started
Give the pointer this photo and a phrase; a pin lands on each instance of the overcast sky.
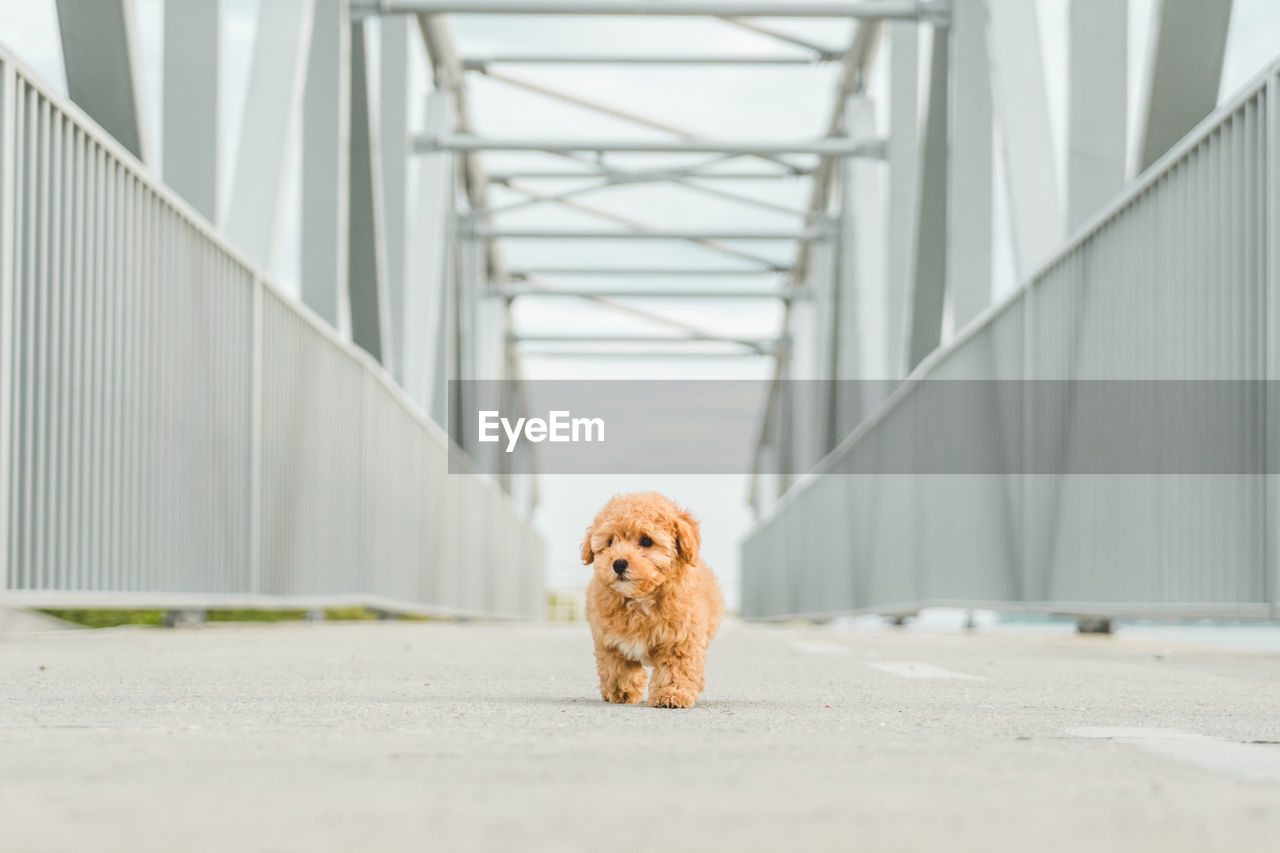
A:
(734, 101)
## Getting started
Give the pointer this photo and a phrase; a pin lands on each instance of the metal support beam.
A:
(929, 278)
(367, 252)
(393, 108)
(1183, 74)
(1022, 112)
(637, 225)
(647, 353)
(1271, 321)
(904, 175)
(831, 147)
(277, 75)
(866, 9)
(326, 123)
(504, 177)
(100, 55)
(610, 110)
(193, 101)
(862, 320)
(853, 74)
(819, 51)
(644, 271)
(970, 170)
(762, 344)
(448, 76)
(1097, 105)
(425, 292)
(10, 168)
(587, 104)
(490, 233)
(689, 329)
(622, 180)
(785, 295)
(482, 63)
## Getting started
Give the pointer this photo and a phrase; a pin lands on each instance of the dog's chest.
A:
(633, 648)
(635, 645)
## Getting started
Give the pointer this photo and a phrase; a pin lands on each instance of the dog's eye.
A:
(610, 545)
(646, 542)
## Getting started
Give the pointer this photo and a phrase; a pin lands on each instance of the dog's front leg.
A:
(621, 679)
(677, 676)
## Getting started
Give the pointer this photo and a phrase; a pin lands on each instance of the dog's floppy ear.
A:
(588, 556)
(688, 539)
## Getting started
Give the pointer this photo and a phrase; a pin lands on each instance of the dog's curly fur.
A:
(662, 608)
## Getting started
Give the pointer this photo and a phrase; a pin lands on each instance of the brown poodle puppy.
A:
(650, 601)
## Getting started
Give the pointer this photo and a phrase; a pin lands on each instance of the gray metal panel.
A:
(904, 169)
(1172, 281)
(1022, 113)
(99, 51)
(112, 436)
(184, 436)
(193, 101)
(969, 222)
(907, 9)
(1270, 124)
(271, 111)
(326, 126)
(1097, 104)
(1183, 74)
(312, 435)
(396, 449)
(10, 229)
(420, 328)
(929, 263)
(366, 258)
(393, 136)
(863, 319)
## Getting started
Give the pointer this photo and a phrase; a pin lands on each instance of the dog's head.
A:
(639, 542)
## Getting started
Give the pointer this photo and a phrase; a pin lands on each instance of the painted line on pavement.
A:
(1252, 762)
(907, 669)
(819, 647)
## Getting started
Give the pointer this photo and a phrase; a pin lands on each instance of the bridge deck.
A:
(409, 736)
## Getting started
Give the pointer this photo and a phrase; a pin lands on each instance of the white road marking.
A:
(904, 669)
(819, 647)
(1129, 733)
(1253, 762)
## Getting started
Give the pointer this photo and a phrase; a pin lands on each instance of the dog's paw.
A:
(673, 699)
(621, 695)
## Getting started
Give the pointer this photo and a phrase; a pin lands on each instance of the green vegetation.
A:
(255, 615)
(563, 606)
(108, 618)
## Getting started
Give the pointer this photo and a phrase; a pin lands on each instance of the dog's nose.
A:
(619, 566)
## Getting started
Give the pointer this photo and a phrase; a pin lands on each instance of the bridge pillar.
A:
(326, 122)
(1184, 73)
(271, 111)
(1097, 104)
(969, 287)
(99, 52)
(366, 246)
(192, 105)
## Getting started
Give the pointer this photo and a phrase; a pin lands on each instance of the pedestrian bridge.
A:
(229, 344)
(180, 430)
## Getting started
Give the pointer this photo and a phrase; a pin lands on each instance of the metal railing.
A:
(1179, 278)
(174, 432)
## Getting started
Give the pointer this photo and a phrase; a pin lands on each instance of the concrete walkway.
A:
(412, 736)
